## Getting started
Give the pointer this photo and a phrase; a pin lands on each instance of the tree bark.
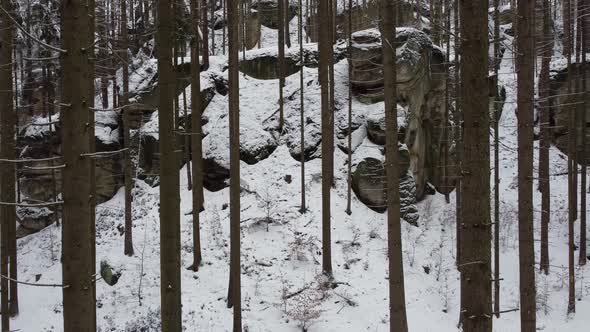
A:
(281, 42)
(170, 288)
(325, 48)
(545, 143)
(302, 110)
(205, 31)
(572, 192)
(234, 136)
(397, 301)
(78, 211)
(497, 111)
(196, 137)
(475, 264)
(9, 298)
(525, 69)
(583, 155)
(127, 136)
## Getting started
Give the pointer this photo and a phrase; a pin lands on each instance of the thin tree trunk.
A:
(170, 288)
(397, 300)
(458, 132)
(545, 144)
(286, 20)
(445, 129)
(196, 137)
(78, 211)
(571, 162)
(325, 48)
(583, 124)
(205, 31)
(525, 70)
(281, 32)
(9, 298)
(234, 135)
(497, 111)
(349, 152)
(475, 267)
(302, 110)
(127, 137)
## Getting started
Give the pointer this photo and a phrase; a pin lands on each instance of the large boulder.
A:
(421, 83)
(263, 64)
(363, 17)
(34, 219)
(368, 183)
(268, 12)
(564, 104)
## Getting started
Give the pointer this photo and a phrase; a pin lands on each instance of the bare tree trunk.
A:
(458, 132)
(234, 135)
(205, 31)
(196, 137)
(302, 110)
(545, 143)
(397, 299)
(325, 48)
(127, 137)
(583, 124)
(9, 298)
(475, 264)
(525, 70)
(286, 20)
(78, 212)
(497, 111)
(281, 32)
(445, 130)
(170, 288)
(349, 152)
(568, 46)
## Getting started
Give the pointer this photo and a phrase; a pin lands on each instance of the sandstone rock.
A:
(421, 82)
(368, 183)
(269, 15)
(34, 218)
(565, 104)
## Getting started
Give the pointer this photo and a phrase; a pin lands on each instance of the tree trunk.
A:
(349, 140)
(397, 300)
(475, 264)
(9, 298)
(78, 212)
(497, 111)
(572, 192)
(205, 31)
(196, 138)
(127, 137)
(234, 137)
(302, 109)
(325, 48)
(170, 287)
(525, 69)
(545, 139)
(458, 132)
(281, 33)
(582, 156)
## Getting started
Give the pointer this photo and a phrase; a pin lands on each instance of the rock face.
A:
(368, 183)
(362, 18)
(40, 139)
(421, 79)
(263, 64)
(560, 115)
(269, 15)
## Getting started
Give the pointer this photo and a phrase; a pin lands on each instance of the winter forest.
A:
(294, 165)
